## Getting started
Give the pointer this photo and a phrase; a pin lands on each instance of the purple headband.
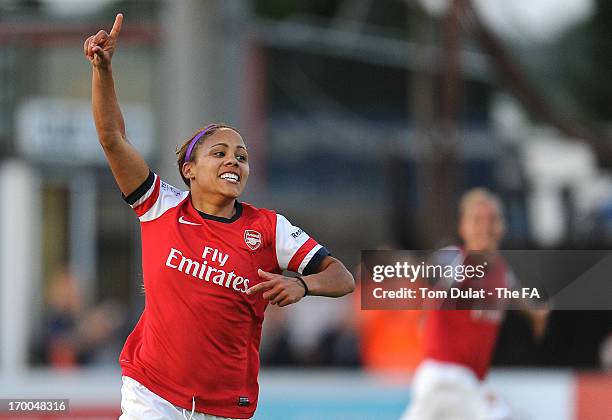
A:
(195, 140)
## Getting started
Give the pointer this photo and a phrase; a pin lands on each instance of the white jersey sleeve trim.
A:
(169, 197)
(289, 240)
(308, 257)
(147, 194)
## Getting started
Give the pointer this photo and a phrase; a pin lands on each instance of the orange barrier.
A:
(593, 396)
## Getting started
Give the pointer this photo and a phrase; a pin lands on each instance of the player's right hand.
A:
(278, 289)
(99, 48)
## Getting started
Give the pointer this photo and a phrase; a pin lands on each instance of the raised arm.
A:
(128, 167)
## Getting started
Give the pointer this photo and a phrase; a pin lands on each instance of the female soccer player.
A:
(459, 344)
(211, 265)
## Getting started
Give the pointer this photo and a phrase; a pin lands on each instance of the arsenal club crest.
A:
(253, 239)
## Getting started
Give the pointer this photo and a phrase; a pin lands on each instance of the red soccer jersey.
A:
(199, 333)
(467, 337)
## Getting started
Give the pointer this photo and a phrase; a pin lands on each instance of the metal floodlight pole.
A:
(441, 169)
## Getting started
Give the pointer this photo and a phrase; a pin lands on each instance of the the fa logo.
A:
(253, 239)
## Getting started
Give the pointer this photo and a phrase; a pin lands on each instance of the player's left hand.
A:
(99, 48)
(278, 289)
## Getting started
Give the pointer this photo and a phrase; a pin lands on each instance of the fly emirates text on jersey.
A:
(204, 269)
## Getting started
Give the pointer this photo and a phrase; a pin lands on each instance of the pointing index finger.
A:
(265, 285)
(117, 25)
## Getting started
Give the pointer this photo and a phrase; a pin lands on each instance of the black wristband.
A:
(301, 280)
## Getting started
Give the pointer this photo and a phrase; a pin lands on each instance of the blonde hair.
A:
(479, 195)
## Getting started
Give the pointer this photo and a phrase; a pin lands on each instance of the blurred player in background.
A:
(211, 265)
(459, 344)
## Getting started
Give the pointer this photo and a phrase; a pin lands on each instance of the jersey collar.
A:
(236, 216)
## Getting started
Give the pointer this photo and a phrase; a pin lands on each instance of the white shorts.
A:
(447, 391)
(138, 403)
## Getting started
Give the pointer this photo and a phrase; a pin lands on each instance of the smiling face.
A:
(220, 167)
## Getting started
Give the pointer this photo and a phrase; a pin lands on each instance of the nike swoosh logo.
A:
(187, 222)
